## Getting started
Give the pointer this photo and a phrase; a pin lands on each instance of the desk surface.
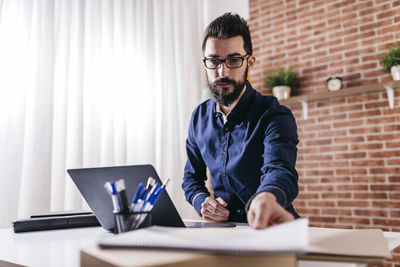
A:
(62, 247)
(47, 248)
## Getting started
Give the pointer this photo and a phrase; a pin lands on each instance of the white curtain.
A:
(93, 83)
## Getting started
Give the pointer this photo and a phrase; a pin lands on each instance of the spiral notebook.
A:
(291, 237)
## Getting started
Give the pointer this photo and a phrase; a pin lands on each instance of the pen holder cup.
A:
(125, 222)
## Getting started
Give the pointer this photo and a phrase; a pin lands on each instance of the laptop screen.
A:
(90, 182)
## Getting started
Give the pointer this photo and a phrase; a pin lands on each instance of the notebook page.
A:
(291, 237)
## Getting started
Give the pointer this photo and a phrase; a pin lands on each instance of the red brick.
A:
(369, 179)
(352, 187)
(371, 213)
(383, 137)
(393, 162)
(335, 180)
(360, 51)
(392, 144)
(391, 128)
(309, 196)
(385, 187)
(367, 146)
(394, 179)
(353, 155)
(323, 219)
(324, 203)
(341, 4)
(374, 105)
(376, 25)
(325, 149)
(345, 212)
(369, 162)
(321, 188)
(345, 203)
(307, 211)
(395, 213)
(361, 67)
(346, 108)
(386, 222)
(384, 154)
(384, 170)
(376, 129)
(351, 171)
(341, 48)
(370, 196)
(354, 220)
(360, 36)
(381, 39)
(335, 195)
(352, 139)
(308, 180)
(318, 127)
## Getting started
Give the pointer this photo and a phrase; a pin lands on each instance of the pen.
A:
(121, 189)
(150, 182)
(153, 189)
(138, 193)
(112, 191)
(149, 204)
(149, 197)
(115, 198)
(136, 198)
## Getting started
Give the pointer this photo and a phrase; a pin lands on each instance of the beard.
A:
(223, 96)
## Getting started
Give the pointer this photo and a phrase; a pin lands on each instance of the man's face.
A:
(225, 83)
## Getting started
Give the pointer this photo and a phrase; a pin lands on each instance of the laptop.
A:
(90, 182)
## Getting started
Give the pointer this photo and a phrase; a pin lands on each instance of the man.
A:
(246, 140)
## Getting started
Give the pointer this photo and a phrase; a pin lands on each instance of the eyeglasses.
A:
(230, 62)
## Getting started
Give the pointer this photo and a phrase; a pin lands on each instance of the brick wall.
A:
(349, 151)
(321, 38)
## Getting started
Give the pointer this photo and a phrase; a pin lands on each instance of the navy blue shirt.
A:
(254, 151)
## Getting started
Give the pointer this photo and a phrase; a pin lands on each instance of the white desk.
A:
(46, 248)
(62, 247)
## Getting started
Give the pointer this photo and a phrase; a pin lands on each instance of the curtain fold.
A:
(93, 83)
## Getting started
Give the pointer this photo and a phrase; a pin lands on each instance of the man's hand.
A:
(264, 211)
(214, 210)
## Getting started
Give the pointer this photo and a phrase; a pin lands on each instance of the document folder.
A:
(55, 220)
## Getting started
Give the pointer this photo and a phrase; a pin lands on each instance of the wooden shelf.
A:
(305, 99)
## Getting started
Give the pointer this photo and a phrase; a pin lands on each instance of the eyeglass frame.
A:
(224, 61)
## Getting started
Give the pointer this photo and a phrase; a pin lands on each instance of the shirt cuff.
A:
(198, 200)
(276, 191)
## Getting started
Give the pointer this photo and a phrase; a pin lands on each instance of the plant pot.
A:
(281, 92)
(395, 71)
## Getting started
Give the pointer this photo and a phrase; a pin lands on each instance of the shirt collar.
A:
(239, 110)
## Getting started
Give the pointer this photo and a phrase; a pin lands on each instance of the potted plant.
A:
(283, 83)
(391, 62)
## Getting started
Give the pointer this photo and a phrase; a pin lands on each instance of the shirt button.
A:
(238, 211)
(223, 152)
(223, 174)
(226, 129)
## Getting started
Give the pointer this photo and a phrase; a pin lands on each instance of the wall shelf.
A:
(305, 99)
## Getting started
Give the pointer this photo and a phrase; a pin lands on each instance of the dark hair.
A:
(227, 26)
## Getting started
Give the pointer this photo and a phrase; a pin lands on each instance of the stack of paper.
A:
(291, 237)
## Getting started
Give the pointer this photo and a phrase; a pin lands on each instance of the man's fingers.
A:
(262, 216)
(280, 216)
(264, 211)
(222, 202)
(210, 215)
(212, 210)
(215, 206)
(214, 217)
